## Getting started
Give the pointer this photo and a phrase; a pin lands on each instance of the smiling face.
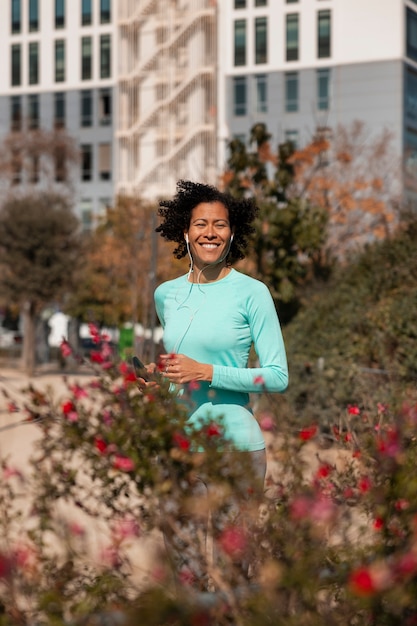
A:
(209, 234)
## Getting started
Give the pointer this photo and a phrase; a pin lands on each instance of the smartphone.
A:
(140, 369)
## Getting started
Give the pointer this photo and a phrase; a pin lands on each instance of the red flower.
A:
(181, 441)
(233, 541)
(94, 332)
(65, 348)
(193, 385)
(352, 409)
(361, 583)
(96, 357)
(259, 380)
(67, 407)
(364, 484)
(378, 523)
(123, 463)
(12, 407)
(100, 445)
(214, 430)
(323, 471)
(308, 432)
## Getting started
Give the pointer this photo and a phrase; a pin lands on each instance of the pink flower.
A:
(100, 445)
(78, 391)
(323, 471)
(110, 557)
(123, 463)
(193, 385)
(96, 357)
(308, 432)
(300, 507)
(94, 333)
(267, 422)
(125, 529)
(364, 484)
(76, 529)
(406, 565)
(10, 472)
(12, 407)
(186, 577)
(65, 348)
(352, 409)
(233, 541)
(259, 380)
(389, 443)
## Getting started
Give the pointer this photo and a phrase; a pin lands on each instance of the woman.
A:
(213, 315)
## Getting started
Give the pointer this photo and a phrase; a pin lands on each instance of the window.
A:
(323, 34)
(411, 18)
(86, 13)
(86, 215)
(240, 4)
(16, 166)
(59, 61)
(104, 161)
(16, 113)
(411, 93)
(240, 99)
(261, 40)
(261, 85)
(261, 3)
(105, 56)
(59, 13)
(59, 109)
(86, 108)
(104, 107)
(86, 58)
(291, 1)
(34, 170)
(33, 63)
(16, 23)
(105, 13)
(240, 42)
(292, 135)
(33, 110)
(33, 15)
(291, 92)
(292, 37)
(16, 69)
(323, 89)
(60, 165)
(86, 162)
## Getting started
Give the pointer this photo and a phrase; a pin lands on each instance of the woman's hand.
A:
(180, 369)
(145, 384)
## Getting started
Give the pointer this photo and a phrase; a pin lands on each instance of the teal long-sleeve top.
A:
(217, 323)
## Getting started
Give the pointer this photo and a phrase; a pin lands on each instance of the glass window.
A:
(240, 42)
(261, 40)
(33, 63)
(86, 13)
(411, 18)
(16, 68)
(261, 3)
(240, 4)
(16, 14)
(292, 135)
(411, 93)
(292, 35)
(323, 34)
(86, 58)
(291, 92)
(33, 15)
(323, 89)
(104, 161)
(86, 215)
(33, 110)
(59, 13)
(104, 107)
(105, 12)
(105, 56)
(86, 107)
(16, 113)
(291, 1)
(86, 162)
(60, 165)
(34, 170)
(59, 109)
(59, 61)
(261, 93)
(240, 95)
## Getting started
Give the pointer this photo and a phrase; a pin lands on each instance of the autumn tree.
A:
(290, 230)
(123, 264)
(39, 250)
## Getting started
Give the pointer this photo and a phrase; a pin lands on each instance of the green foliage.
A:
(355, 338)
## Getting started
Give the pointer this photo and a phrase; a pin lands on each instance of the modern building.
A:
(154, 89)
(59, 71)
(299, 65)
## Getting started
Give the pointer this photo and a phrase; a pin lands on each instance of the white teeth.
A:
(211, 246)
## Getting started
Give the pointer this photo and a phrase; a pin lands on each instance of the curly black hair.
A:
(176, 215)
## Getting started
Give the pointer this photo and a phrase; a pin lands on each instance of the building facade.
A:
(153, 90)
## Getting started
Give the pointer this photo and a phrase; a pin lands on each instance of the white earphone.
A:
(186, 237)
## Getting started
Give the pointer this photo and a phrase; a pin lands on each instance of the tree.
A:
(115, 284)
(290, 231)
(39, 250)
